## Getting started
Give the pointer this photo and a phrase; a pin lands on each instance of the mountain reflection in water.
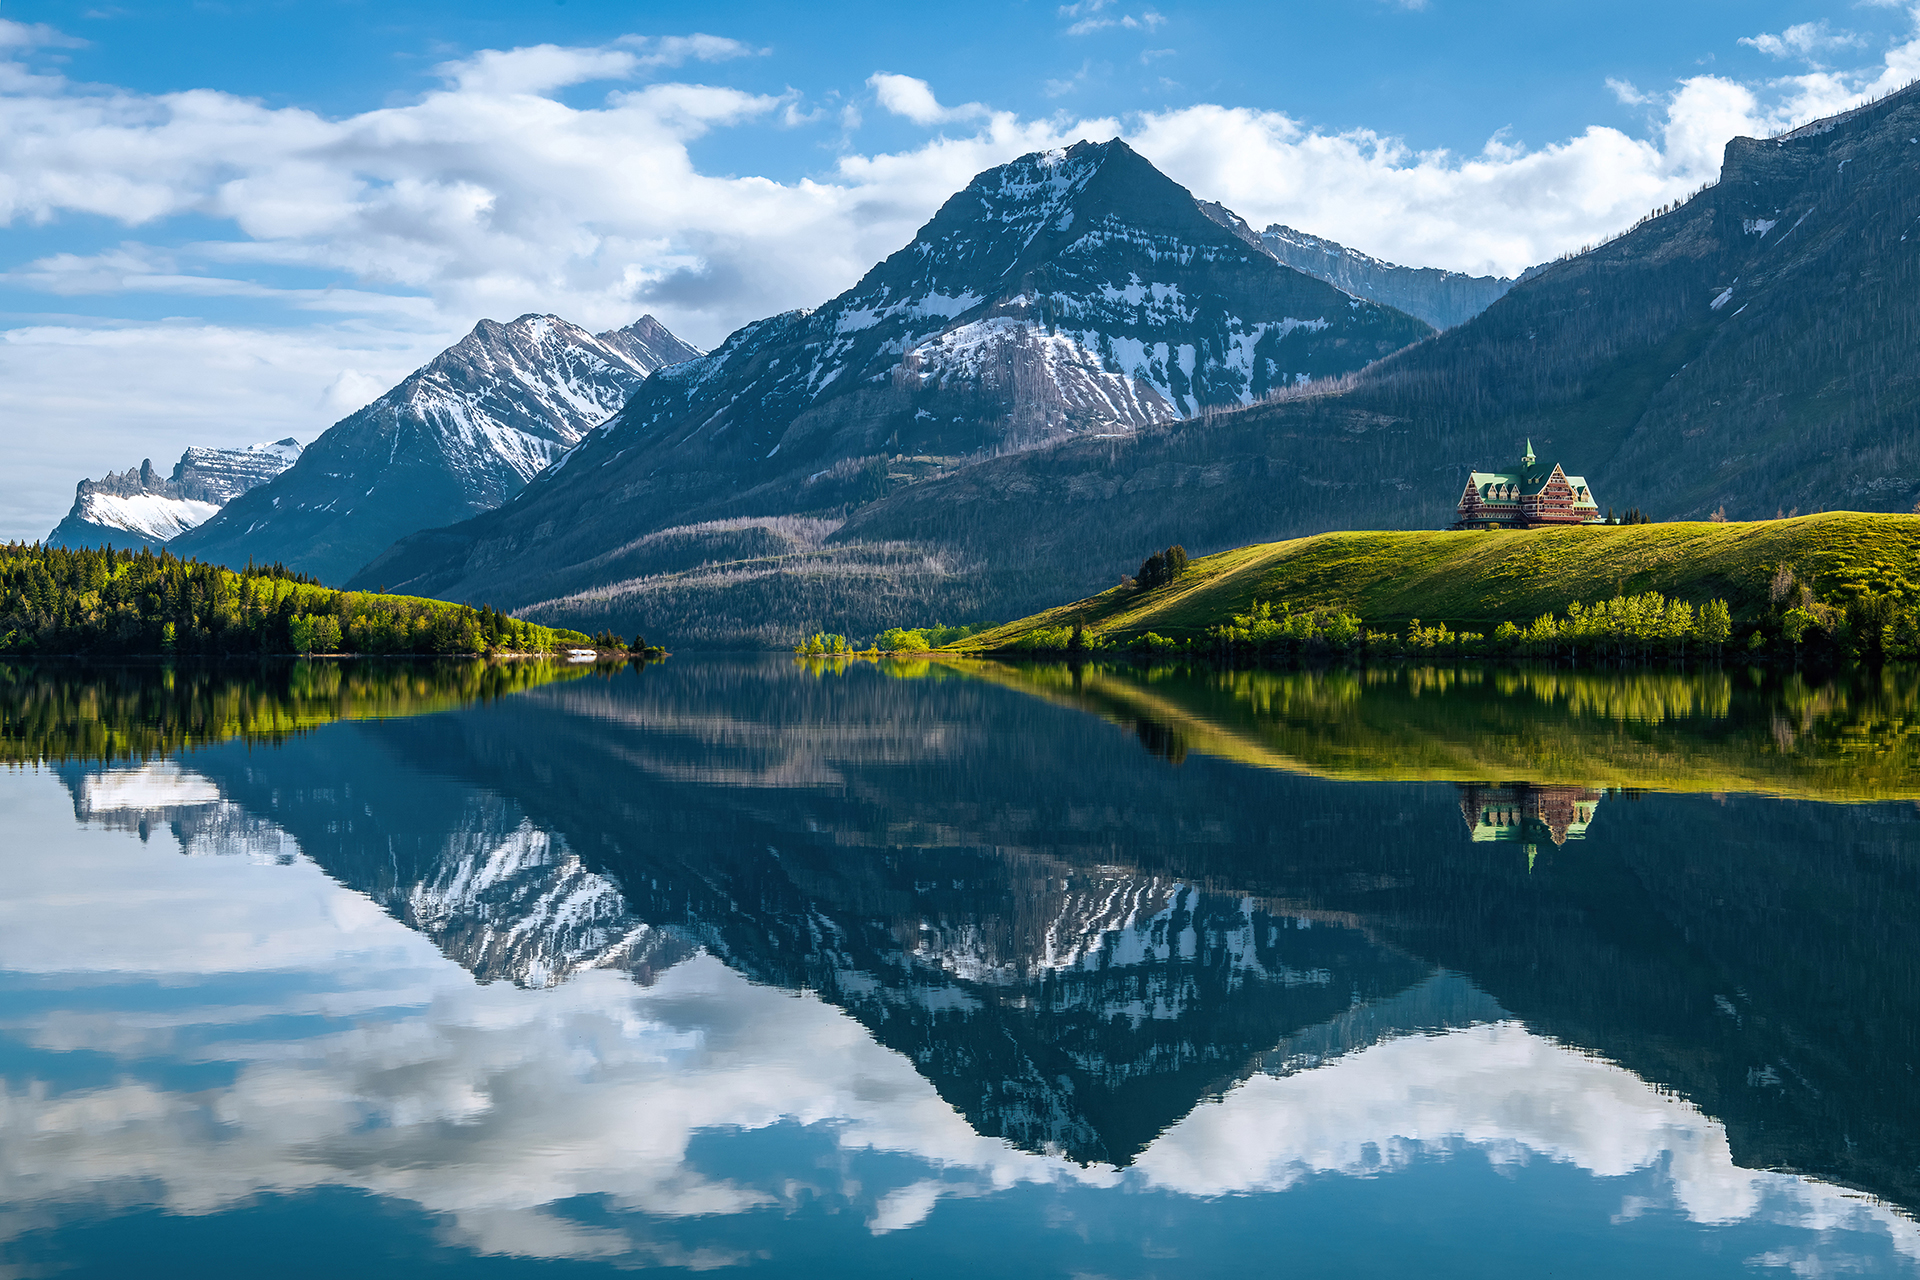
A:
(1029, 952)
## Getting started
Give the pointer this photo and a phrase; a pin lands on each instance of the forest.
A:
(58, 600)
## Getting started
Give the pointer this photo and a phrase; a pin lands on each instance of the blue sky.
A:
(228, 222)
(1442, 74)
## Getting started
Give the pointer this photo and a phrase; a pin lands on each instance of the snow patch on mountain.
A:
(1060, 380)
(140, 506)
(459, 436)
(151, 516)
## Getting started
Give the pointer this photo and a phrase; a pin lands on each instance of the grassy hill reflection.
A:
(1712, 730)
(59, 712)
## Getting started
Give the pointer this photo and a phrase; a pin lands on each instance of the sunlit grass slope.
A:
(1476, 580)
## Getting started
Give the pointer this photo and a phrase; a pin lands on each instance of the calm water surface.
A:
(756, 966)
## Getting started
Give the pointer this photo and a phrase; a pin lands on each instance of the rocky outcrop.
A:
(140, 507)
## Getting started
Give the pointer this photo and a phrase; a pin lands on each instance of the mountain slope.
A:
(1068, 295)
(460, 435)
(137, 507)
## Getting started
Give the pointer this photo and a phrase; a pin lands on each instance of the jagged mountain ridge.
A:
(1442, 298)
(139, 507)
(1076, 294)
(460, 435)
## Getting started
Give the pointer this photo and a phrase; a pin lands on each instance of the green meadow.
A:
(1475, 580)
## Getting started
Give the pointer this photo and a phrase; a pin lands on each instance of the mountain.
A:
(1076, 295)
(136, 507)
(1442, 298)
(459, 436)
(1748, 351)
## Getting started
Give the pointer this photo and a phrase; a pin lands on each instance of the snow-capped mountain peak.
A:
(139, 506)
(1115, 304)
(458, 436)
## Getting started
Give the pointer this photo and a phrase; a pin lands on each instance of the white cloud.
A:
(906, 96)
(537, 69)
(672, 51)
(1803, 40)
(542, 68)
(488, 196)
(35, 35)
(1090, 16)
(1625, 92)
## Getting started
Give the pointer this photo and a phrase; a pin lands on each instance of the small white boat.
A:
(582, 655)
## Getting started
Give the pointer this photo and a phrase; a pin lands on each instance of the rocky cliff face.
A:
(140, 507)
(459, 436)
(1078, 295)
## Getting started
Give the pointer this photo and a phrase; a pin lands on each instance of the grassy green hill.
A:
(1476, 580)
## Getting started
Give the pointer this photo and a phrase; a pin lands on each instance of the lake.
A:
(756, 965)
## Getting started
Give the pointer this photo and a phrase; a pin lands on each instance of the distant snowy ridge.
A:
(138, 506)
(1441, 298)
(458, 436)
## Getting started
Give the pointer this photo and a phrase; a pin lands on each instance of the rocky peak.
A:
(139, 506)
(649, 344)
(1072, 289)
(456, 437)
(221, 475)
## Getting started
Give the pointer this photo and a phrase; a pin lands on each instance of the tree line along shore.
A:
(107, 602)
